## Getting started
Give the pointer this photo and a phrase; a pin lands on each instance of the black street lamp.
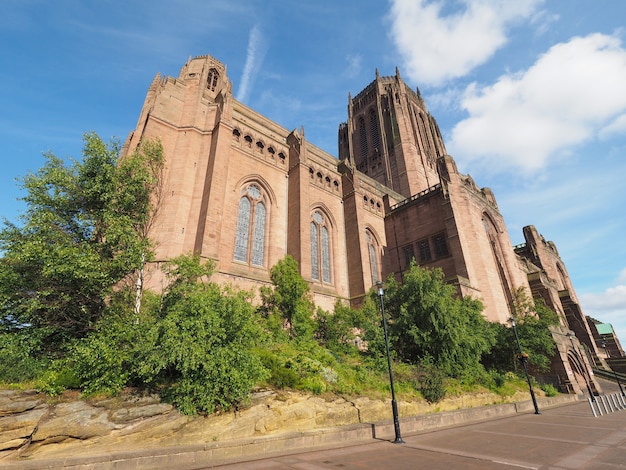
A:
(571, 337)
(394, 405)
(524, 359)
(614, 373)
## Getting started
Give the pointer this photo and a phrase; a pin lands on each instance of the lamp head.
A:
(379, 285)
(512, 321)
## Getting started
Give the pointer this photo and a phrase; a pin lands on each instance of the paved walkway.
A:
(566, 437)
(509, 436)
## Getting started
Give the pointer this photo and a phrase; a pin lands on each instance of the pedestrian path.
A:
(565, 437)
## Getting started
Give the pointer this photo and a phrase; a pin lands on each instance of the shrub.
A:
(549, 390)
(430, 381)
(21, 359)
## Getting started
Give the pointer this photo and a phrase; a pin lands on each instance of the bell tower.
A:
(391, 137)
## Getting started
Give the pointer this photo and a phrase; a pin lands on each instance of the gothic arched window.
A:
(363, 139)
(374, 131)
(320, 248)
(372, 248)
(251, 222)
(211, 82)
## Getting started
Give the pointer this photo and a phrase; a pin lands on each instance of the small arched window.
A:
(251, 225)
(320, 248)
(211, 82)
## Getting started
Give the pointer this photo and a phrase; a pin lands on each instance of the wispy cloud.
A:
(566, 98)
(353, 65)
(437, 46)
(257, 48)
(608, 306)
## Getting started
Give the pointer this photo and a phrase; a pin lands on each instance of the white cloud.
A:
(614, 128)
(257, 49)
(608, 307)
(567, 97)
(437, 47)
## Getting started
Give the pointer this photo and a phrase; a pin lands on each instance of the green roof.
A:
(604, 328)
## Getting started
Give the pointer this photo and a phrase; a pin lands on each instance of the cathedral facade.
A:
(243, 191)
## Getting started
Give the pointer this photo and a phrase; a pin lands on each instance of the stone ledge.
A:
(198, 456)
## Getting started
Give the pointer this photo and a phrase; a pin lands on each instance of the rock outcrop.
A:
(36, 426)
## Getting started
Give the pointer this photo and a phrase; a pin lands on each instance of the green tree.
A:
(534, 321)
(202, 357)
(84, 231)
(290, 299)
(337, 331)
(196, 346)
(427, 320)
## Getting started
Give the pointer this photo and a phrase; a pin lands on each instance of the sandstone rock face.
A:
(35, 426)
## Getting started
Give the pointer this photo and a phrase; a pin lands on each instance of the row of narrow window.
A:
(260, 146)
(426, 248)
(321, 179)
(367, 202)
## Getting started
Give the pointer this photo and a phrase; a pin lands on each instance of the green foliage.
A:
(195, 345)
(83, 232)
(549, 390)
(427, 320)
(110, 358)
(338, 330)
(302, 366)
(430, 381)
(202, 355)
(21, 358)
(290, 299)
(534, 320)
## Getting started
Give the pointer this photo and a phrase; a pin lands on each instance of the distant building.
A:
(244, 191)
(605, 338)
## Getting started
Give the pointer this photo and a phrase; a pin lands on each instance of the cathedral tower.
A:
(391, 137)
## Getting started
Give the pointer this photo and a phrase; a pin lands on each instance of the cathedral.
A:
(244, 191)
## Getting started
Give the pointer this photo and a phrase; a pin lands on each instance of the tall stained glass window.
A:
(320, 249)
(251, 222)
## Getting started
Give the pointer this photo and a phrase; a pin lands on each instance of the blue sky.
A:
(530, 95)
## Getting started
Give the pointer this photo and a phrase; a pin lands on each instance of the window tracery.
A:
(320, 248)
(251, 224)
(212, 79)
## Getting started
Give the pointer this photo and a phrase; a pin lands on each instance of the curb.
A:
(240, 450)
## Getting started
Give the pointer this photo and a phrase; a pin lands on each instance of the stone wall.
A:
(35, 426)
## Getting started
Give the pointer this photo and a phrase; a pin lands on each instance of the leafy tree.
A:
(202, 358)
(84, 231)
(534, 320)
(427, 320)
(337, 330)
(290, 299)
(196, 347)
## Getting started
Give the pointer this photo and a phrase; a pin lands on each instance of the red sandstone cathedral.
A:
(244, 191)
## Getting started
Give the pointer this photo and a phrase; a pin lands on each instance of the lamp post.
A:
(614, 373)
(571, 337)
(524, 360)
(394, 405)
